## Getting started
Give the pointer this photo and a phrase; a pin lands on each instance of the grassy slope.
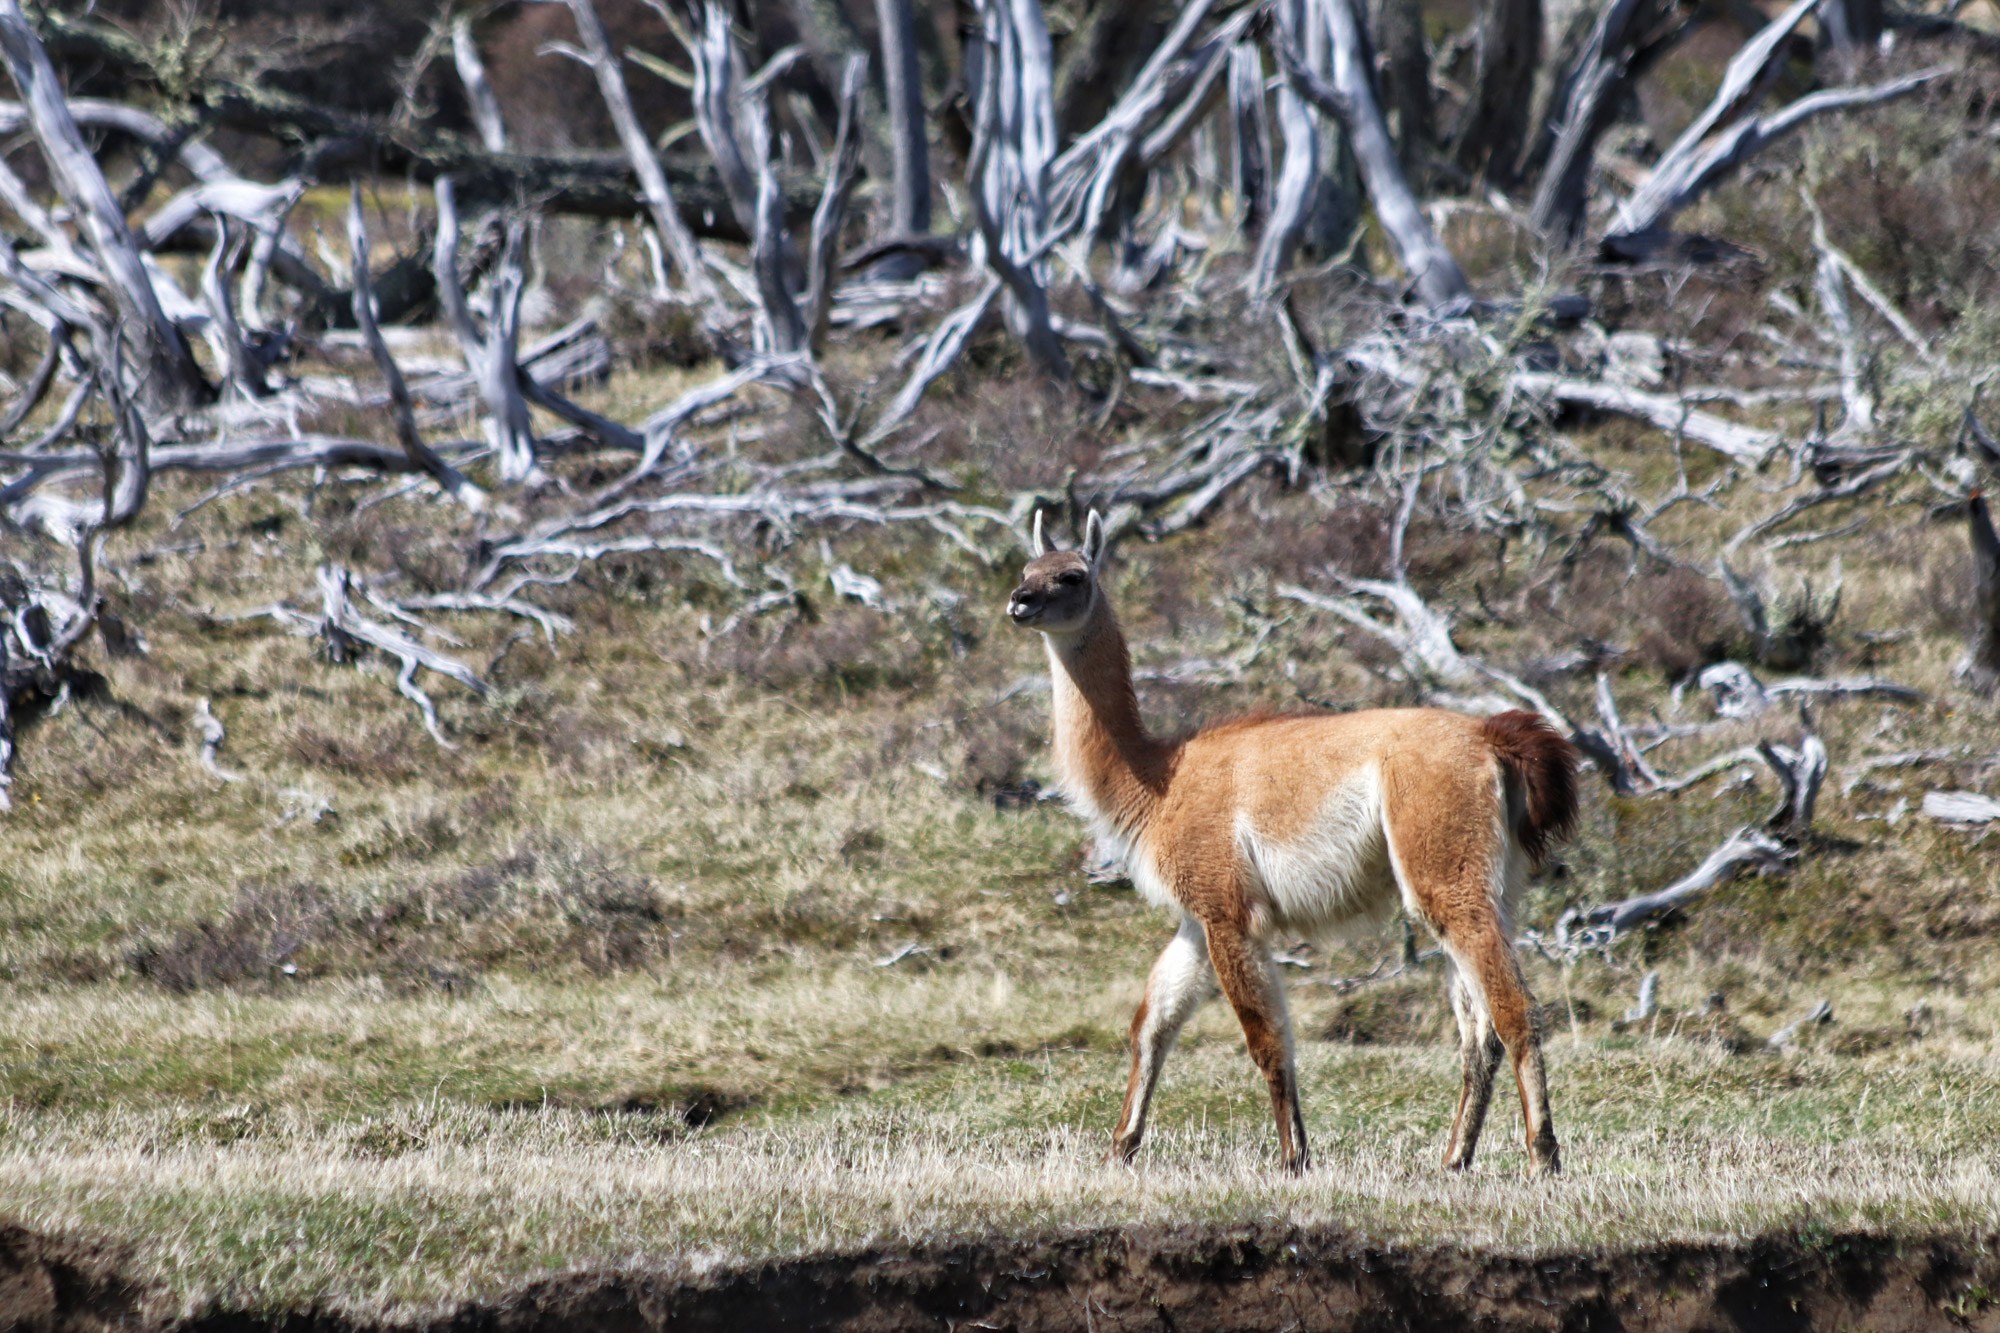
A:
(601, 985)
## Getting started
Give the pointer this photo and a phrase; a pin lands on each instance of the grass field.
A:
(383, 1028)
(711, 942)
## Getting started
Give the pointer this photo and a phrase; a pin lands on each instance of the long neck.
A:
(1107, 762)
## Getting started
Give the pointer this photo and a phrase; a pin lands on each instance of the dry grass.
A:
(433, 1202)
(387, 1026)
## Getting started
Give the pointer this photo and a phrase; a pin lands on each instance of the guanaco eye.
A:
(1070, 577)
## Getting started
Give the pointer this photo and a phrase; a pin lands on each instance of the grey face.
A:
(1055, 593)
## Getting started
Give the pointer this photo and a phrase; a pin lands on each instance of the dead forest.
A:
(1374, 247)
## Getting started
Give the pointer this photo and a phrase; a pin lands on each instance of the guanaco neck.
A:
(1108, 763)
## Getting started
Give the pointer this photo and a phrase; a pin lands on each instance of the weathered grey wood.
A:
(842, 169)
(401, 410)
(910, 207)
(1296, 191)
(940, 350)
(1961, 807)
(717, 80)
(168, 375)
(1250, 139)
(1096, 180)
(1800, 774)
(1008, 172)
(1981, 669)
(128, 461)
(1693, 174)
(493, 359)
(1494, 129)
(210, 728)
(1350, 98)
(673, 232)
(1857, 402)
(479, 96)
(734, 120)
(1744, 444)
(1744, 849)
(225, 332)
(1625, 35)
(347, 631)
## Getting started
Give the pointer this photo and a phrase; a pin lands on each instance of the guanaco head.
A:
(1058, 589)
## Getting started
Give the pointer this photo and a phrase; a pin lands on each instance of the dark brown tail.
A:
(1541, 778)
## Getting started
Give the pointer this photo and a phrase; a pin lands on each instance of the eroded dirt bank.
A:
(1180, 1281)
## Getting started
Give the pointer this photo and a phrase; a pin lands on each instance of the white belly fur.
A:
(1335, 875)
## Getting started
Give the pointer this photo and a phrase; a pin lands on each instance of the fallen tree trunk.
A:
(332, 143)
(1744, 444)
(1744, 849)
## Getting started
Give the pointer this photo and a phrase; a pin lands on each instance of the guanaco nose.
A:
(1022, 601)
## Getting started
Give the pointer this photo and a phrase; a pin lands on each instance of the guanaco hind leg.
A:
(1249, 979)
(1180, 981)
(1456, 896)
(1480, 1051)
(1491, 976)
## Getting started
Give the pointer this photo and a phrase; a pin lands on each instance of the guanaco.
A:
(1295, 825)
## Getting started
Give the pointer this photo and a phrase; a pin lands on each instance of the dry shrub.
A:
(557, 904)
(1398, 1013)
(258, 937)
(1673, 620)
(999, 742)
(1912, 192)
(834, 650)
(649, 334)
(425, 553)
(1297, 543)
(1016, 429)
(391, 752)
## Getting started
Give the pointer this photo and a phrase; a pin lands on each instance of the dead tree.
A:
(1008, 173)
(1250, 139)
(674, 234)
(1730, 131)
(493, 357)
(1627, 37)
(168, 375)
(910, 211)
(1493, 129)
(1981, 668)
(402, 410)
(1349, 98)
(479, 95)
(1405, 65)
(1297, 188)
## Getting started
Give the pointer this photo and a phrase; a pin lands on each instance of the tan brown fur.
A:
(1299, 823)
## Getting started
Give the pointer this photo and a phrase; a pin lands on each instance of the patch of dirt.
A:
(1176, 1282)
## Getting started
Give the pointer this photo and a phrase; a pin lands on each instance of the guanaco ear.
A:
(1040, 545)
(1093, 539)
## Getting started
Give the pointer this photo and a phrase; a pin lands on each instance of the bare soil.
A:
(1182, 1282)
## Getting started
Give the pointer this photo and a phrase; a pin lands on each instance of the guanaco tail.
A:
(1287, 826)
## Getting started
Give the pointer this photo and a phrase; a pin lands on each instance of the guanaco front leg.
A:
(1243, 967)
(1180, 981)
